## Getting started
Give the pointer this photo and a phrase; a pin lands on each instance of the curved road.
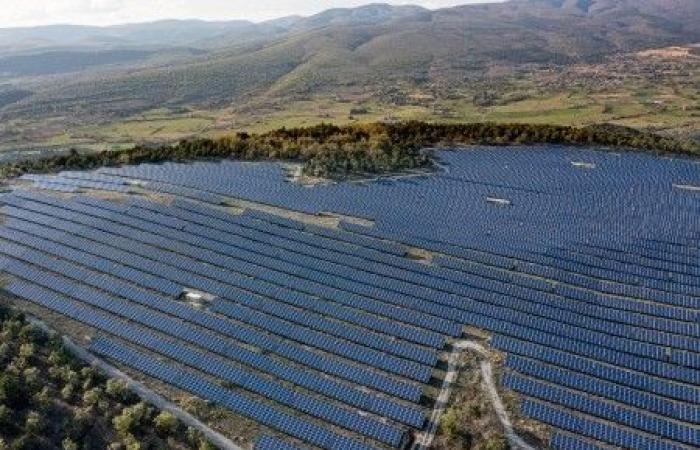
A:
(425, 439)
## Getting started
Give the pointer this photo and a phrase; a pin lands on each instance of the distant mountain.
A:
(367, 47)
(150, 35)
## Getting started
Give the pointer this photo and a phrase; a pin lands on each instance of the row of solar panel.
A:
(268, 442)
(600, 339)
(165, 323)
(443, 338)
(652, 367)
(645, 258)
(642, 258)
(680, 284)
(562, 441)
(422, 321)
(594, 429)
(647, 318)
(650, 336)
(412, 333)
(634, 268)
(385, 407)
(512, 258)
(266, 255)
(88, 184)
(653, 251)
(361, 354)
(397, 348)
(272, 390)
(596, 386)
(594, 305)
(259, 412)
(147, 280)
(620, 315)
(230, 182)
(633, 418)
(603, 371)
(660, 354)
(328, 244)
(608, 282)
(502, 255)
(194, 194)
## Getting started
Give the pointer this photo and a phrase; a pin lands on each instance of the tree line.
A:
(332, 151)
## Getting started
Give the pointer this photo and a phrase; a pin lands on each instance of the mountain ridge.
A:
(368, 47)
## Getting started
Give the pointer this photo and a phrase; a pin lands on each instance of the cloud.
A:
(108, 12)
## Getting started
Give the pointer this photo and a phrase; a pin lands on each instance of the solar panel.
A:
(589, 280)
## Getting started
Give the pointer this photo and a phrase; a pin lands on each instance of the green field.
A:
(630, 92)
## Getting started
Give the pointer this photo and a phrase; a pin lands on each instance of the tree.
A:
(166, 423)
(34, 422)
(5, 353)
(32, 377)
(92, 397)
(43, 398)
(118, 390)
(12, 391)
(67, 392)
(204, 444)
(131, 419)
(5, 417)
(68, 444)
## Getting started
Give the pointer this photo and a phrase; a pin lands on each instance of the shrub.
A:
(118, 390)
(34, 422)
(166, 423)
(68, 444)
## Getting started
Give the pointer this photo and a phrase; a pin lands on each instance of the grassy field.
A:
(657, 92)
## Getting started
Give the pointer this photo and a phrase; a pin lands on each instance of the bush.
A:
(497, 443)
(68, 444)
(6, 415)
(12, 391)
(166, 424)
(34, 422)
(118, 390)
(451, 423)
(132, 419)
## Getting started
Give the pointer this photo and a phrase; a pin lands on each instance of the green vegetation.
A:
(49, 400)
(335, 152)
(656, 94)
(522, 61)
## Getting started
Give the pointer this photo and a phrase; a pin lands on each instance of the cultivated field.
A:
(653, 90)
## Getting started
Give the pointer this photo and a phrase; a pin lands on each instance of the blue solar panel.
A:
(589, 279)
(267, 442)
(562, 441)
(199, 386)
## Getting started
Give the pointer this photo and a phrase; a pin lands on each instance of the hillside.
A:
(76, 75)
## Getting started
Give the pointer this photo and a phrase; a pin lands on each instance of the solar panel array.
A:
(589, 280)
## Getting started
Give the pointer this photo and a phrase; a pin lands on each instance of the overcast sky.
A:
(22, 13)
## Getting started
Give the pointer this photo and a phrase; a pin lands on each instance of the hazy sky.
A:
(16, 13)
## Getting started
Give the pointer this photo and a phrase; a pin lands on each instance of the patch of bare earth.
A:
(668, 52)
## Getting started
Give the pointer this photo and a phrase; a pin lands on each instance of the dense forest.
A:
(49, 400)
(335, 152)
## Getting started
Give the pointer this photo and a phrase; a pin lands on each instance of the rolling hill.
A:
(97, 73)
